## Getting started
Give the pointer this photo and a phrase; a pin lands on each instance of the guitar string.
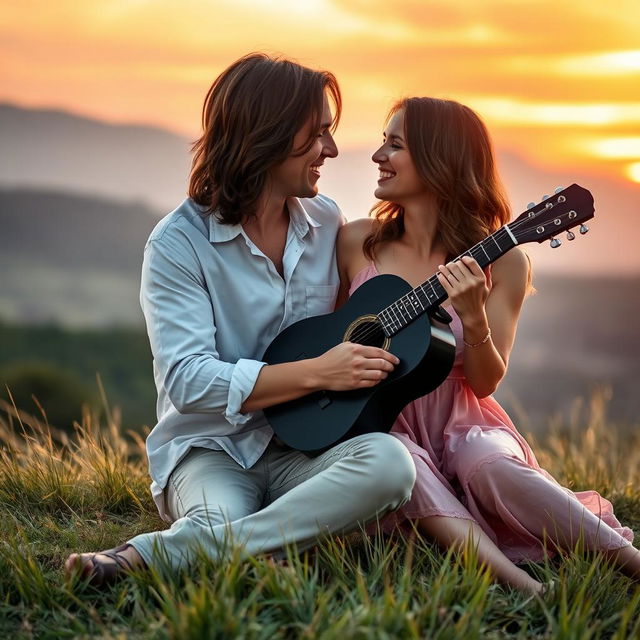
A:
(376, 327)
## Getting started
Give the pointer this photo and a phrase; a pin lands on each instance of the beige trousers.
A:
(286, 497)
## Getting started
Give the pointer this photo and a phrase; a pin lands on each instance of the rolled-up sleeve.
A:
(182, 333)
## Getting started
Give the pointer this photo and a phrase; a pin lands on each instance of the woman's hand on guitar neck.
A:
(468, 287)
(349, 365)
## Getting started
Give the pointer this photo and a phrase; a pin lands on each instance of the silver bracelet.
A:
(477, 344)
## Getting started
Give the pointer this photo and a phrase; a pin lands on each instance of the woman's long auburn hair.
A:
(250, 116)
(452, 152)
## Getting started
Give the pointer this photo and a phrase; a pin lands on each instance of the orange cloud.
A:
(544, 75)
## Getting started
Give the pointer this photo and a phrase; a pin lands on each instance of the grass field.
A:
(59, 495)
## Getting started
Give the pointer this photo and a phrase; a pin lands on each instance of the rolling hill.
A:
(78, 198)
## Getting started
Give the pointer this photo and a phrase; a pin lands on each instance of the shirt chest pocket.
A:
(321, 299)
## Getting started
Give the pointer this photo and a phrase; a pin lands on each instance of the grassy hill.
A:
(91, 493)
(49, 361)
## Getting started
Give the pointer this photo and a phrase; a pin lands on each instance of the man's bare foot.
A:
(104, 567)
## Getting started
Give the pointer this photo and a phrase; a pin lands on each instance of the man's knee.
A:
(391, 467)
(206, 517)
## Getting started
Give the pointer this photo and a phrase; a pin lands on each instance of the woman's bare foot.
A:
(104, 567)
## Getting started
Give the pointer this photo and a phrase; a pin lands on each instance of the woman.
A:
(476, 475)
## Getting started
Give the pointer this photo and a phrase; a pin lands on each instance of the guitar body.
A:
(426, 349)
(320, 420)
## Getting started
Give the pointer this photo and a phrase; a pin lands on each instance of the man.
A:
(248, 253)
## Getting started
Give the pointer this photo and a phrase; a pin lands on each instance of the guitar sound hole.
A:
(368, 333)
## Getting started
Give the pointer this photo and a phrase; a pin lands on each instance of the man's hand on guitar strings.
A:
(353, 366)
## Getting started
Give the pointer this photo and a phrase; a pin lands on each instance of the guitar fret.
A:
(435, 293)
(420, 290)
(384, 314)
(391, 319)
(404, 309)
(397, 320)
(431, 293)
(410, 305)
(478, 256)
(415, 300)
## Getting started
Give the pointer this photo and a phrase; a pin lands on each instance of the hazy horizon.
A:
(77, 154)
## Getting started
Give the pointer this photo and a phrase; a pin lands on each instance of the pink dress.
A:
(472, 463)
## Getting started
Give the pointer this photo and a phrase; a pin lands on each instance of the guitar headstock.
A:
(564, 210)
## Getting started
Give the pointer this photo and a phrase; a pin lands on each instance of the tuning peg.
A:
(559, 189)
(545, 196)
(531, 205)
(555, 243)
(571, 235)
(583, 229)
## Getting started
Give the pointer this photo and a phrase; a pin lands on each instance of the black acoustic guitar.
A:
(387, 312)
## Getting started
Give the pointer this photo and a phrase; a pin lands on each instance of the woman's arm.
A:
(484, 305)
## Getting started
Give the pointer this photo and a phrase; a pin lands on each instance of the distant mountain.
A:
(78, 199)
(74, 231)
(58, 150)
(70, 259)
(55, 149)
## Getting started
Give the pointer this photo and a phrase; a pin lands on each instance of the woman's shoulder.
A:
(351, 236)
(362, 226)
(353, 233)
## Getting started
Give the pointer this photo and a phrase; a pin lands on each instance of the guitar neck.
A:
(431, 293)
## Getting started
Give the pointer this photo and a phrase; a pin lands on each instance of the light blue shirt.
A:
(213, 302)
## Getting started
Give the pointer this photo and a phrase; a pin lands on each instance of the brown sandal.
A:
(105, 573)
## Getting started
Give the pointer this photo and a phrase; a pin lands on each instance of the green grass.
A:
(89, 492)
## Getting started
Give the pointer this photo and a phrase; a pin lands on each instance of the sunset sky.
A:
(558, 82)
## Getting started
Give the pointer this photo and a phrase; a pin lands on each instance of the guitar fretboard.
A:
(431, 293)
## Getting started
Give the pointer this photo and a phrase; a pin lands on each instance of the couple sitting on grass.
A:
(253, 249)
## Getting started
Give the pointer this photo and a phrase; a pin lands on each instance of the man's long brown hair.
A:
(250, 117)
(452, 152)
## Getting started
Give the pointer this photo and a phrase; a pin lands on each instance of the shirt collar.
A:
(300, 220)
(219, 232)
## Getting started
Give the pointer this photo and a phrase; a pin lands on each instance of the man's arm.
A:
(182, 333)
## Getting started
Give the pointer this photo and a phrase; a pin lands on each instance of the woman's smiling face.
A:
(399, 180)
